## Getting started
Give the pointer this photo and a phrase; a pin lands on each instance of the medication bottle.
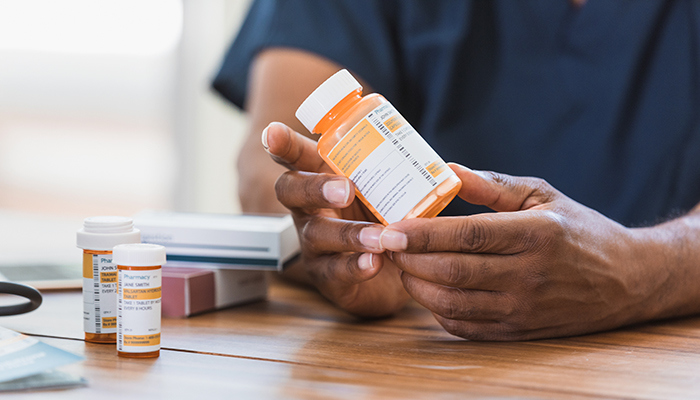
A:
(139, 299)
(97, 237)
(396, 173)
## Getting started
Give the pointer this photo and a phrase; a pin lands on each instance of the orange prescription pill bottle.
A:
(396, 173)
(97, 237)
(139, 299)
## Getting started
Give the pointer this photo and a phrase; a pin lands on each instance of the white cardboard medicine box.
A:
(250, 242)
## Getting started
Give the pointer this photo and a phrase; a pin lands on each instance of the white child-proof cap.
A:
(103, 233)
(325, 97)
(139, 255)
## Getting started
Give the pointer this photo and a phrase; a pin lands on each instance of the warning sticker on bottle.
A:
(390, 163)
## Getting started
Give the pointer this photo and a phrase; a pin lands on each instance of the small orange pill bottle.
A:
(397, 174)
(97, 237)
(139, 299)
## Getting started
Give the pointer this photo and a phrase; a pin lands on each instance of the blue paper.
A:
(22, 356)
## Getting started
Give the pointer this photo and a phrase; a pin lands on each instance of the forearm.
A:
(257, 174)
(670, 255)
(280, 79)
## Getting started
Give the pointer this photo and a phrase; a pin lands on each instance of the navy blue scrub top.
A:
(603, 101)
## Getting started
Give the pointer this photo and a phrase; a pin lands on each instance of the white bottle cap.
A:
(103, 233)
(325, 97)
(139, 255)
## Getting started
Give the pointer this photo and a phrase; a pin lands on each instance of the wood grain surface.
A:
(296, 345)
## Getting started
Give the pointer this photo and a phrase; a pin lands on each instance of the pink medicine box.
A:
(190, 291)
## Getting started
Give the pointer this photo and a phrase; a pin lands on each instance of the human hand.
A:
(339, 237)
(543, 266)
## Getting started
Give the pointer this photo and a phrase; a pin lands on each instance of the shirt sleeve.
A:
(356, 34)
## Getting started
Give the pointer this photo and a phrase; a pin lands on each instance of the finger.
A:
(465, 271)
(292, 149)
(478, 330)
(345, 268)
(329, 235)
(502, 192)
(455, 303)
(374, 292)
(496, 233)
(296, 189)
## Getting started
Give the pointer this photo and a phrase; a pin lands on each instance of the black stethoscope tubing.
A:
(25, 291)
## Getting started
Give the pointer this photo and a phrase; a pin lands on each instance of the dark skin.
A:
(339, 237)
(542, 266)
(280, 80)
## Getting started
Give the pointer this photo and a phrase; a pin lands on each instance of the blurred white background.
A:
(106, 109)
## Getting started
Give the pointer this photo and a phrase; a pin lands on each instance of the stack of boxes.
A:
(217, 261)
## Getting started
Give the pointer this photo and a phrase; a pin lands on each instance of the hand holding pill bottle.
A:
(396, 173)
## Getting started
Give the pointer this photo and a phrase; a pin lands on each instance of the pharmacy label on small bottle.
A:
(390, 163)
(99, 293)
(139, 306)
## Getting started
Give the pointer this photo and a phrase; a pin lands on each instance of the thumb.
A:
(502, 192)
(292, 149)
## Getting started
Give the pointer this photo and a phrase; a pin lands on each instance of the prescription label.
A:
(99, 293)
(392, 166)
(138, 308)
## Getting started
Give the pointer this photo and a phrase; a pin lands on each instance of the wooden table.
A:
(296, 345)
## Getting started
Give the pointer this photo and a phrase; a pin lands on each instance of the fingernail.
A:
(337, 191)
(473, 171)
(365, 261)
(393, 240)
(462, 167)
(264, 138)
(369, 237)
(390, 254)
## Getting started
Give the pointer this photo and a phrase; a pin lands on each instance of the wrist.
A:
(668, 269)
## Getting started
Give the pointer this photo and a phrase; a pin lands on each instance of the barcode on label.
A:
(96, 291)
(401, 149)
